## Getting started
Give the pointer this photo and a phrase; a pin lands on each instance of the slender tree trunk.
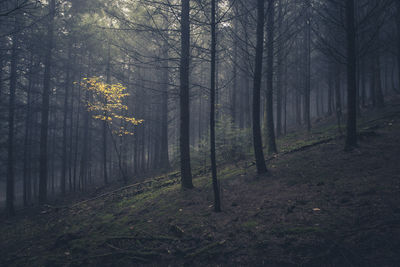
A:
(362, 84)
(351, 135)
(307, 91)
(330, 93)
(372, 85)
(298, 108)
(338, 97)
(45, 107)
(186, 172)
(76, 139)
(257, 141)
(1, 72)
(317, 102)
(378, 87)
(27, 141)
(234, 73)
(53, 119)
(270, 72)
(393, 77)
(108, 74)
(11, 111)
(246, 103)
(164, 155)
(136, 162)
(285, 96)
(217, 201)
(71, 138)
(84, 154)
(279, 75)
(65, 119)
(398, 45)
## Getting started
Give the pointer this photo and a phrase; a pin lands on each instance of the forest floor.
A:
(318, 206)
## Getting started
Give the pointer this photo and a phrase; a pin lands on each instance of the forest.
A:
(199, 133)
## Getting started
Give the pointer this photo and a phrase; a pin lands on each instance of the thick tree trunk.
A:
(45, 107)
(351, 134)
(257, 141)
(269, 107)
(186, 172)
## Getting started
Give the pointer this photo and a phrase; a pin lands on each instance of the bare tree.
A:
(46, 106)
(186, 172)
(257, 141)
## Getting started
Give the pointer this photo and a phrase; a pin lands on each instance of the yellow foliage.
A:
(107, 102)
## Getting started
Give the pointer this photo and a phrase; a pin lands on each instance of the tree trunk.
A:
(234, 72)
(285, 96)
(372, 85)
(65, 119)
(45, 107)
(71, 138)
(164, 155)
(378, 87)
(186, 172)
(27, 137)
(11, 111)
(217, 201)
(338, 97)
(84, 154)
(269, 107)
(362, 84)
(398, 45)
(330, 93)
(76, 139)
(104, 124)
(307, 91)
(257, 141)
(1, 72)
(351, 135)
(279, 75)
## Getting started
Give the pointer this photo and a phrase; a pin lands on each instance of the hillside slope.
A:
(319, 206)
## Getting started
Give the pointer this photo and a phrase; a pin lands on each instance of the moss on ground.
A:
(263, 217)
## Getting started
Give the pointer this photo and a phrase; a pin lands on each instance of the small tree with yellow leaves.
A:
(107, 104)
